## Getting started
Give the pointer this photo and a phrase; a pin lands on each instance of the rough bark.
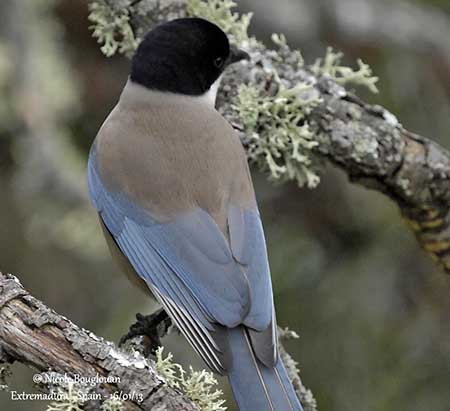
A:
(35, 335)
(412, 170)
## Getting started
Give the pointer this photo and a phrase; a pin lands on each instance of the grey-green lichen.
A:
(306, 397)
(365, 147)
(71, 400)
(331, 66)
(112, 27)
(295, 56)
(287, 334)
(279, 138)
(113, 404)
(68, 395)
(197, 385)
(221, 13)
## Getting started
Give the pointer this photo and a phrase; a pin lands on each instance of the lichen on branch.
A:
(280, 140)
(70, 399)
(331, 66)
(197, 385)
(221, 13)
(112, 28)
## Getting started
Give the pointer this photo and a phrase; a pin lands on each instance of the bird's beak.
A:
(237, 54)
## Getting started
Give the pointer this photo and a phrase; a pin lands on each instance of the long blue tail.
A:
(255, 386)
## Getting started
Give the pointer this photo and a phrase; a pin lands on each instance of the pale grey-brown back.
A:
(173, 154)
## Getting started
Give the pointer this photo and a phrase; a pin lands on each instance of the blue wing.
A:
(202, 282)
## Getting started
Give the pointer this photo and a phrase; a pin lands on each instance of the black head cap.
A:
(183, 56)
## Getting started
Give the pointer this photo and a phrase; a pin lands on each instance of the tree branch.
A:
(376, 151)
(35, 335)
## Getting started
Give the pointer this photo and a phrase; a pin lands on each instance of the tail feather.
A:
(255, 386)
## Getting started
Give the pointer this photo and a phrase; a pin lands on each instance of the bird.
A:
(170, 181)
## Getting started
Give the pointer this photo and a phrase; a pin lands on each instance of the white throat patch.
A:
(210, 96)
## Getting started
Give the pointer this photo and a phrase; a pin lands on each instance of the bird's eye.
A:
(218, 62)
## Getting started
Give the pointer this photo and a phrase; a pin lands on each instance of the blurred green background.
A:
(372, 311)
